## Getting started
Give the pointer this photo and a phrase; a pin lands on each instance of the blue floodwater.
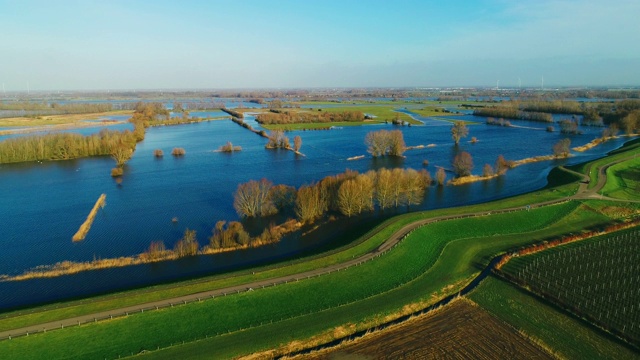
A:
(43, 204)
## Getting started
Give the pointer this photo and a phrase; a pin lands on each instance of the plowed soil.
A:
(462, 330)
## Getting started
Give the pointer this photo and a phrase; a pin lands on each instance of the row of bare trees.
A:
(278, 140)
(349, 193)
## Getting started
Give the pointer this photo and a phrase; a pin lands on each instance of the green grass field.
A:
(563, 334)
(623, 180)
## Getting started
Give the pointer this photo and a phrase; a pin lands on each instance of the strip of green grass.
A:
(384, 276)
(593, 167)
(623, 180)
(566, 336)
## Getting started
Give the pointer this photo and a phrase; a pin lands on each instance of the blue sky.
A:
(61, 45)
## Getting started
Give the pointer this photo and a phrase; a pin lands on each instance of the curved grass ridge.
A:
(86, 225)
(407, 274)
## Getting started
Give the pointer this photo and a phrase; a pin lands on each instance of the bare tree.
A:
(458, 131)
(561, 148)
(383, 142)
(414, 184)
(487, 170)
(501, 165)
(376, 142)
(630, 122)
(356, 195)
(441, 176)
(297, 143)
(463, 164)
(383, 188)
(188, 245)
(252, 199)
(310, 203)
(121, 154)
(396, 143)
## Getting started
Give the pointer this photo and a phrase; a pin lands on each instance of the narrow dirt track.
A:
(394, 239)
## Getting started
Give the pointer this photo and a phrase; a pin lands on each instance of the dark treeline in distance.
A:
(512, 113)
(296, 117)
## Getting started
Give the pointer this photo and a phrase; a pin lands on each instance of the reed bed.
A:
(86, 225)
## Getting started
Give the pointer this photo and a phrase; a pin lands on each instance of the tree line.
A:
(349, 194)
(512, 113)
(63, 146)
(274, 117)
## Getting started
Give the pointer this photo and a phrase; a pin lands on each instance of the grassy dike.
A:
(439, 255)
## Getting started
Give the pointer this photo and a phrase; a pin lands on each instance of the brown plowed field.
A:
(462, 330)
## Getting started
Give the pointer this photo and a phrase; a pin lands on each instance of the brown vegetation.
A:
(499, 122)
(462, 164)
(86, 225)
(459, 131)
(177, 152)
(562, 148)
(117, 172)
(383, 142)
(278, 140)
(297, 143)
(441, 176)
(228, 147)
(187, 245)
(253, 199)
(569, 126)
(62, 146)
(158, 153)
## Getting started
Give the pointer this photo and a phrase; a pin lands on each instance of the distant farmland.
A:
(598, 279)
